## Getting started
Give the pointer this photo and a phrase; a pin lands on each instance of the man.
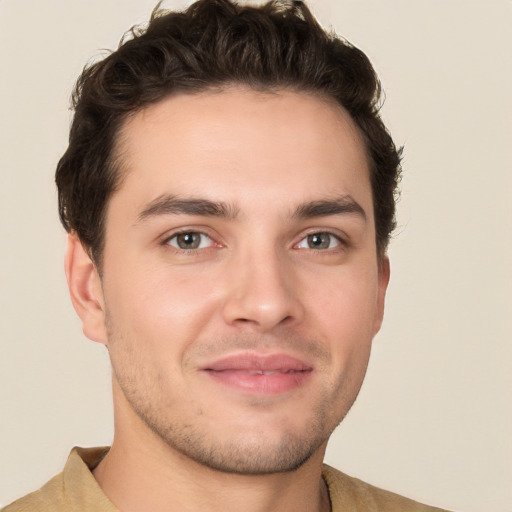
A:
(229, 196)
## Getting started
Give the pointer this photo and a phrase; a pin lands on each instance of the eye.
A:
(190, 240)
(319, 241)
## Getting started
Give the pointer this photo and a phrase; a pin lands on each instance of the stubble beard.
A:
(235, 452)
(232, 454)
(243, 457)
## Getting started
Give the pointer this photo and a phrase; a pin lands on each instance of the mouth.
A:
(252, 373)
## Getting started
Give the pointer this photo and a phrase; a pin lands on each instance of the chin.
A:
(260, 457)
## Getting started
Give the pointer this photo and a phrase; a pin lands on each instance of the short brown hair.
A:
(211, 44)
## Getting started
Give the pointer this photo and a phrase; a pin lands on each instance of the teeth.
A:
(261, 372)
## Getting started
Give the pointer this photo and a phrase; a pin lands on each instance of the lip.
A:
(262, 374)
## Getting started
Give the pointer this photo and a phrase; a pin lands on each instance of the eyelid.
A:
(334, 242)
(202, 236)
(340, 236)
(200, 230)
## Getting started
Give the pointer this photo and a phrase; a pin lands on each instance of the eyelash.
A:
(339, 241)
(167, 241)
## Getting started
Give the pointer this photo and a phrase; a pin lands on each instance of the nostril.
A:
(287, 320)
(262, 302)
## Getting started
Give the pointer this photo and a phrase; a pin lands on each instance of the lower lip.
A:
(262, 384)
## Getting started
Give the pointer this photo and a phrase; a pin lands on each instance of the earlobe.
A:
(383, 277)
(85, 289)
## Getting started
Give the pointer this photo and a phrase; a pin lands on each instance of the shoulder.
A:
(352, 494)
(49, 497)
(73, 490)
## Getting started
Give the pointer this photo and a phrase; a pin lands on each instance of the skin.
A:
(273, 274)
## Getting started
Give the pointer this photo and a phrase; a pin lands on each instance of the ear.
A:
(383, 281)
(85, 289)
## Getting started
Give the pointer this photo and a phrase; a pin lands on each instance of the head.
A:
(212, 45)
(229, 189)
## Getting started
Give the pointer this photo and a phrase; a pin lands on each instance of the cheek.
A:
(344, 314)
(161, 306)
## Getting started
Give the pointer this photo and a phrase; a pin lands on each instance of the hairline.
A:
(118, 165)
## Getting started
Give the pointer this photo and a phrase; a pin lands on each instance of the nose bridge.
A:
(262, 289)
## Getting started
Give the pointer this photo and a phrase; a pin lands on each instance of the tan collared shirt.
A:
(76, 490)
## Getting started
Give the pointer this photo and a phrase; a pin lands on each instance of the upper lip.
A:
(250, 361)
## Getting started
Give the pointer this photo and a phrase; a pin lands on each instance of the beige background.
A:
(434, 419)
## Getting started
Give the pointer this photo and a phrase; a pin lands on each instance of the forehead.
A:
(240, 144)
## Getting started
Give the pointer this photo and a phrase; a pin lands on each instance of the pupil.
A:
(319, 241)
(188, 240)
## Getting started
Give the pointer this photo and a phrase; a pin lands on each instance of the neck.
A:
(142, 473)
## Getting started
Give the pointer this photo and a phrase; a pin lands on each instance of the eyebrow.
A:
(324, 208)
(173, 205)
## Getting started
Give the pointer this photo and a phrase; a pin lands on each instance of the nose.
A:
(263, 293)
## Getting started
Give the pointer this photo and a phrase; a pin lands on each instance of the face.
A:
(241, 287)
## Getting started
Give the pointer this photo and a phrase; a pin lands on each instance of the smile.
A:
(260, 374)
